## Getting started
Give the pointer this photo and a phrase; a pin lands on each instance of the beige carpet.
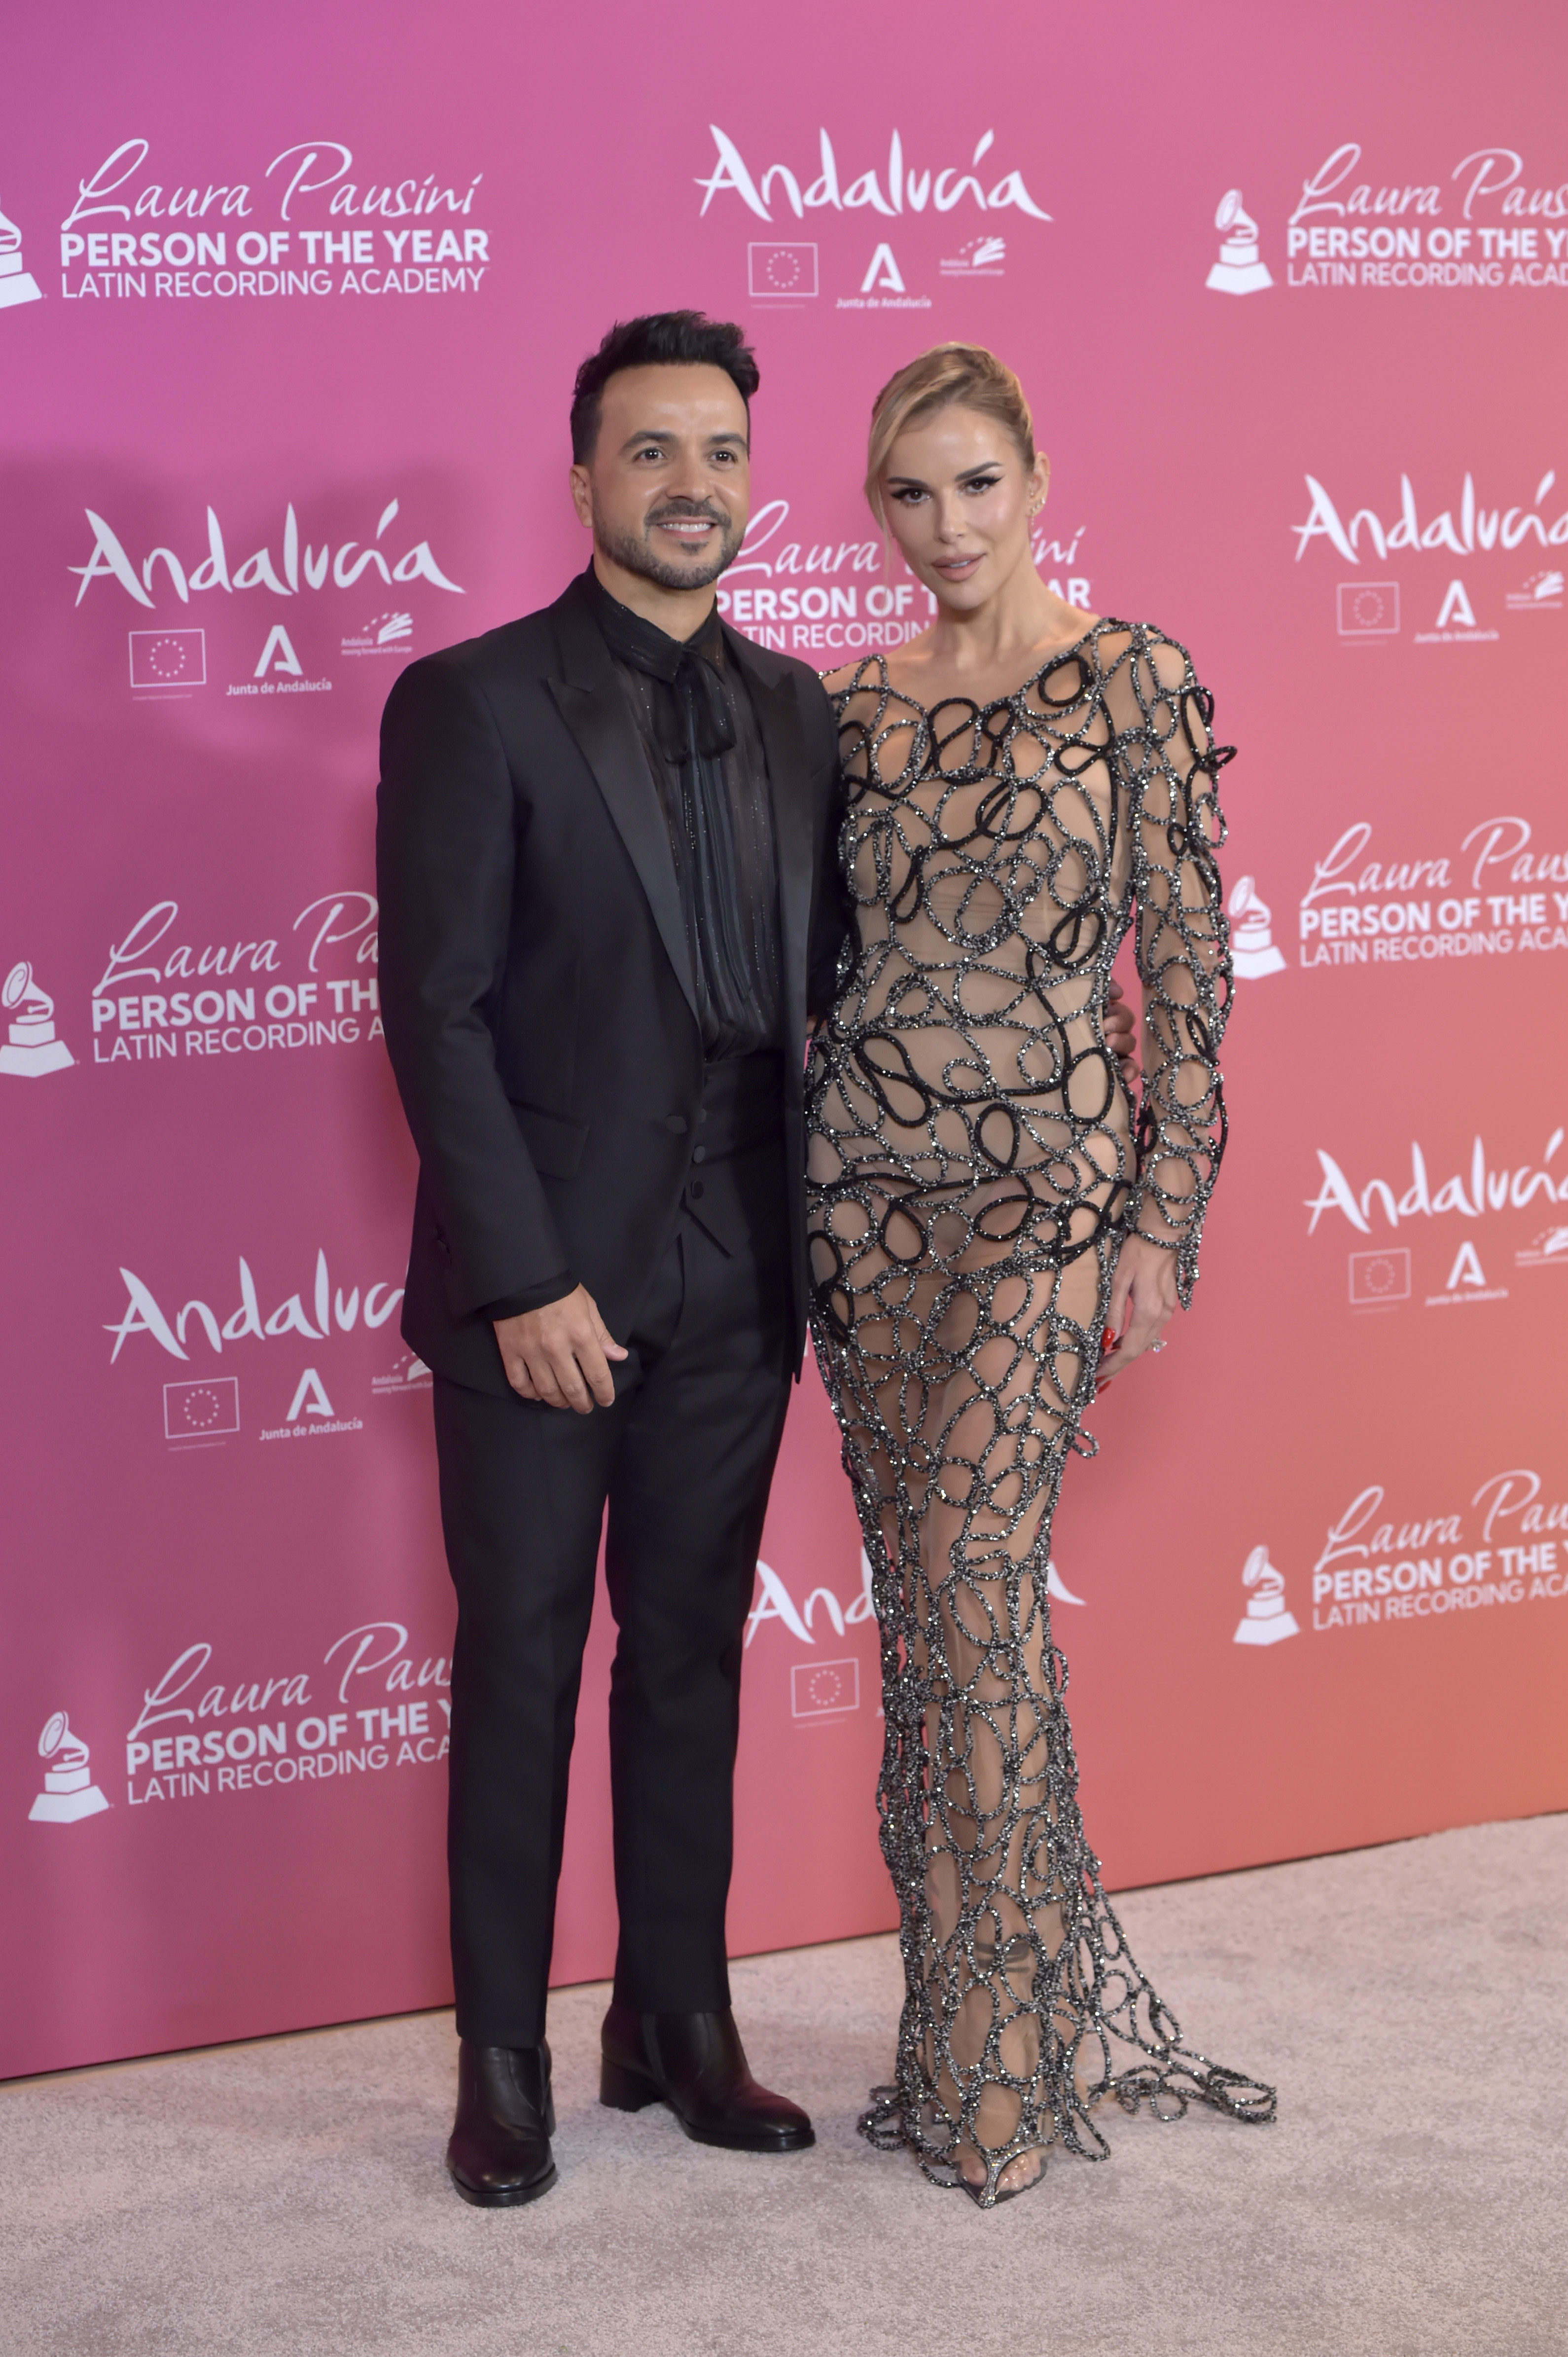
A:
(288, 2196)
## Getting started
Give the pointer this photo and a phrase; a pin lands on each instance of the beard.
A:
(634, 550)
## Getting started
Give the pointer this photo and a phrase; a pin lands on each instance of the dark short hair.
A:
(662, 339)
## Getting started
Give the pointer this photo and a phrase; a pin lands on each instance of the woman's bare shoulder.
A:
(868, 677)
(1136, 661)
(1115, 639)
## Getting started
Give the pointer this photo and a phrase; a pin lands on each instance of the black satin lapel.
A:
(789, 784)
(599, 719)
(584, 658)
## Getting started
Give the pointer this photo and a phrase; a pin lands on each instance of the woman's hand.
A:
(1143, 1298)
(1118, 1028)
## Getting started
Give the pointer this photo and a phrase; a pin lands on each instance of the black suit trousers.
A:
(681, 1462)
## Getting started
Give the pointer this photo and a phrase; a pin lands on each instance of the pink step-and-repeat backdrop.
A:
(290, 300)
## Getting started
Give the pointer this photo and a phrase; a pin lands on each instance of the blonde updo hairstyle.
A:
(949, 376)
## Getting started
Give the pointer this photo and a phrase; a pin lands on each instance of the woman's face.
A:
(959, 501)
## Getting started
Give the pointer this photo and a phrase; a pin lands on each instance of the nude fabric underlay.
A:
(974, 1165)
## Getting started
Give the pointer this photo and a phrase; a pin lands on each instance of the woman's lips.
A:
(954, 569)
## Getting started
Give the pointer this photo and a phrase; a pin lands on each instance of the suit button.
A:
(702, 1115)
(699, 1153)
(695, 1190)
(676, 1123)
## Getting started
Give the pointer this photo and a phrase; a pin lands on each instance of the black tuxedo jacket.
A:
(536, 984)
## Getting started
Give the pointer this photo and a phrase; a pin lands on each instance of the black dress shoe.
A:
(697, 2064)
(499, 2150)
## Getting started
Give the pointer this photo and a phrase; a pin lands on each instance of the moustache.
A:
(673, 509)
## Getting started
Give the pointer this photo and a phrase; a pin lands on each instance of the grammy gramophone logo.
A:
(1268, 1617)
(31, 1047)
(17, 285)
(68, 1791)
(1240, 270)
(1253, 950)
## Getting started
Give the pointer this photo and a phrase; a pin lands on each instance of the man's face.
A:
(668, 488)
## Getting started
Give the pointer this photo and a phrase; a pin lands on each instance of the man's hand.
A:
(560, 1354)
(1142, 1301)
(1120, 1029)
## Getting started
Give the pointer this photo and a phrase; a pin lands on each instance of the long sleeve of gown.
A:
(1183, 948)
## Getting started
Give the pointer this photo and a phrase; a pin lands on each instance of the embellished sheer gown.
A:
(974, 1165)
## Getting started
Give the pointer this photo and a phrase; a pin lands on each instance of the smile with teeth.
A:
(687, 527)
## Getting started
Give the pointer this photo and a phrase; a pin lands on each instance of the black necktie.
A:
(697, 720)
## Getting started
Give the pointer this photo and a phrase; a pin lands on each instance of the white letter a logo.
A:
(309, 1399)
(277, 654)
(1467, 1269)
(882, 260)
(1456, 609)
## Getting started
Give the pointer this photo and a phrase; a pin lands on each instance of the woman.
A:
(993, 1238)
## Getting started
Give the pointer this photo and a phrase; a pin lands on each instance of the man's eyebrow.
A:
(664, 437)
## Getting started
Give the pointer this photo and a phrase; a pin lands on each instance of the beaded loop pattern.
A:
(975, 1164)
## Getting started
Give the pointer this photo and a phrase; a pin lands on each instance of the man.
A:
(609, 911)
